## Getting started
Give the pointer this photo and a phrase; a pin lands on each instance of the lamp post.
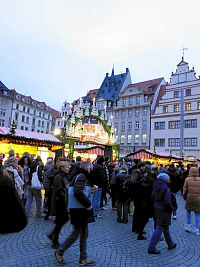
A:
(182, 123)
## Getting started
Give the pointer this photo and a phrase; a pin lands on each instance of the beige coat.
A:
(191, 192)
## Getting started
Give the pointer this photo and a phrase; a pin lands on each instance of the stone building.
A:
(5, 106)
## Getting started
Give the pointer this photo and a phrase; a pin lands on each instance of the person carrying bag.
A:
(81, 214)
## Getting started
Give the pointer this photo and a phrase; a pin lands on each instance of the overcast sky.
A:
(59, 49)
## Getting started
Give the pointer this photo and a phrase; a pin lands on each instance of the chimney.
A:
(127, 70)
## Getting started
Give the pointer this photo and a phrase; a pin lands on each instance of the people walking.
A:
(191, 194)
(163, 208)
(79, 219)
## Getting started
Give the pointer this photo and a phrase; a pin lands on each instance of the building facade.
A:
(172, 130)
(30, 115)
(5, 106)
(132, 114)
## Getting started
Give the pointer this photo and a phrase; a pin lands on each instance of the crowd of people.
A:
(79, 190)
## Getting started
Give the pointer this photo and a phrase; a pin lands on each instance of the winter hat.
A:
(163, 177)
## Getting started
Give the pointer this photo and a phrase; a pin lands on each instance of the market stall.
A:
(36, 144)
(155, 157)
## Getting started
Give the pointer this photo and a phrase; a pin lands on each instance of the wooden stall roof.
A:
(148, 154)
(29, 138)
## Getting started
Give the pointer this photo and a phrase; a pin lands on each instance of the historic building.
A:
(176, 120)
(132, 114)
(31, 115)
(110, 89)
(5, 106)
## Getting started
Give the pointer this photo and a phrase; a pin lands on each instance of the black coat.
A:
(98, 175)
(79, 217)
(12, 214)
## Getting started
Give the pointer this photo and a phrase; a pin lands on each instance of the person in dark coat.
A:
(99, 179)
(2, 156)
(12, 215)
(122, 178)
(79, 219)
(163, 208)
(60, 183)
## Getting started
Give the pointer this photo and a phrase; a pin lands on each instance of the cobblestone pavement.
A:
(109, 243)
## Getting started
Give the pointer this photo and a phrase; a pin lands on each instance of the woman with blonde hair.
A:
(191, 194)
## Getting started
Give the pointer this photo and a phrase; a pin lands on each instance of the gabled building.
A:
(109, 91)
(5, 106)
(132, 114)
(167, 121)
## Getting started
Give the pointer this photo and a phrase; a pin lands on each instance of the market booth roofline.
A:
(25, 141)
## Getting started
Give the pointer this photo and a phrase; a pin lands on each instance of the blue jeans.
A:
(197, 218)
(31, 193)
(96, 200)
(157, 234)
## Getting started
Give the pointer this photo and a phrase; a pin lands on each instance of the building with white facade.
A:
(30, 114)
(5, 106)
(132, 113)
(166, 124)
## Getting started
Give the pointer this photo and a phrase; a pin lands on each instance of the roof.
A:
(93, 93)
(112, 86)
(145, 153)
(55, 113)
(30, 135)
(4, 91)
(30, 101)
(148, 87)
(162, 92)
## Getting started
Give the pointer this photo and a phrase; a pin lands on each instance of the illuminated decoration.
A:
(88, 126)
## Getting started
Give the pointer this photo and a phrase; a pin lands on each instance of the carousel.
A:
(89, 133)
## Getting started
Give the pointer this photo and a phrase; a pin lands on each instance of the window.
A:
(123, 126)
(34, 112)
(130, 113)
(129, 125)
(159, 125)
(33, 121)
(116, 114)
(137, 125)
(40, 114)
(28, 110)
(174, 125)
(144, 125)
(43, 115)
(122, 139)
(144, 138)
(146, 98)
(173, 142)
(123, 114)
(190, 123)
(165, 109)
(137, 100)
(129, 139)
(123, 102)
(137, 138)
(187, 106)
(193, 141)
(176, 108)
(24, 109)
(16, 116)
(22, 127)
(2, 122)
(176, 94)
(23, 118)
(39, 123)
(159, 142)
(137, 113)
(32, 130)
(47, 125)
(17, 106)
(26, 128)
(58, 123)
(43, 124)
(145, 112)
(3, 111)
(27, 120)
(198, 105)
(116, 127)
(188, 92)
(130, 101)
(190, 141)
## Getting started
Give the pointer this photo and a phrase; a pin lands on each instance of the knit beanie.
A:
(163, 177)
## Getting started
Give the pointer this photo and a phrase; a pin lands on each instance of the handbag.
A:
(35, 182)
(73, 202)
